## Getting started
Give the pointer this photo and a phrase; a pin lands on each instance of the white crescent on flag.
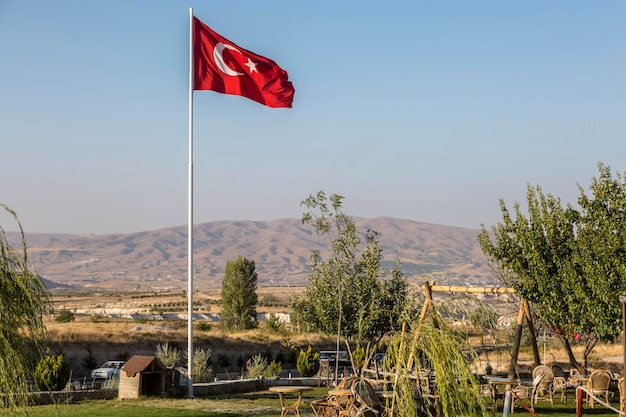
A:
(219, 59)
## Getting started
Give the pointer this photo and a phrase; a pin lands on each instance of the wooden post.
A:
(579, 402)
(533, 335)
(516, 342)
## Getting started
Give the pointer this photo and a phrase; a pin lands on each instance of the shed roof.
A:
(142, 363)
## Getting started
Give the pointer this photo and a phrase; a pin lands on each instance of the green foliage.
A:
(202, 369)
(274, 326)
(239, 296)
(52, 373)
(203, 326)
(348, 293)
(90, 362)
(64, 316)
(437, 348)
(168, 355)
(569, 263)
(273, 370)
(258, 367)
(308, 363)
(359, 357)
(223, 360)
(23, 301)
(483, 318)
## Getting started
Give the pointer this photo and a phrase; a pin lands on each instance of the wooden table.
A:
(496, 381)
(344, 400)
(295, 407)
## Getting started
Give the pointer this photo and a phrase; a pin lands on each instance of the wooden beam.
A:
(473, 290)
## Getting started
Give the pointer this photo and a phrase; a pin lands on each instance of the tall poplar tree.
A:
(239, 297)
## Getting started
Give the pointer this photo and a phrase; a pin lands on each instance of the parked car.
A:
(108, 370)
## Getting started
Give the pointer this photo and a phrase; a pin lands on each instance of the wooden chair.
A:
(525, 392)
(559, 383)
(543, 388)
(367, 403)
(327, 406)
(598, 385)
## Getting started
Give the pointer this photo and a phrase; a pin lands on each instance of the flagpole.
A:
(190, 220)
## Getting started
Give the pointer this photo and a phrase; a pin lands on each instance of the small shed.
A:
(142, 375)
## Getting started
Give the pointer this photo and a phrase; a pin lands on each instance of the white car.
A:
(108, 370)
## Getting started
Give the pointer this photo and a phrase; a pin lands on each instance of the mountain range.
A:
(281, 249)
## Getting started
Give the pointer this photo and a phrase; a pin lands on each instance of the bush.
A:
(64, 316)
(202, 369)
(52, 373)
(273, 369)
(203, 326)
(308, 362)
(90, 362)
(257, 369)
(168, 355)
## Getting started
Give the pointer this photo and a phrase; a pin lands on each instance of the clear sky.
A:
(429, 111)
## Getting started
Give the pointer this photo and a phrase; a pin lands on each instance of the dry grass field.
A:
(114, 325)
(118, 325)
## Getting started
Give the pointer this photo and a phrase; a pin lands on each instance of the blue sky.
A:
(429, 111)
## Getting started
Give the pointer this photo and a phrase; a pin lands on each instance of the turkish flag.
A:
(222, 66)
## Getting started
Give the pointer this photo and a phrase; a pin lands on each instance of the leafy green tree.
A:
(348, 294)
(239, 297)
(52, 373)
(308, 363)
(64, 316)
(23, 301)
(569, 263)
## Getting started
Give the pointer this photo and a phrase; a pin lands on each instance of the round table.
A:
(285, 389)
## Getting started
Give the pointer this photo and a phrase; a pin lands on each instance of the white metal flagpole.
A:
(190, 220)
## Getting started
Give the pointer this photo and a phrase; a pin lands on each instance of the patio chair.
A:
(543, 389)
(559, 383)
(327, 406)
(598, 386)
(524, 392)
(367, 402)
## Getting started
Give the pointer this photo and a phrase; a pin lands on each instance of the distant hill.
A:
(280, 248)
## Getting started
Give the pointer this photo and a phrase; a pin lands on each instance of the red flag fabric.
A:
(222, 66)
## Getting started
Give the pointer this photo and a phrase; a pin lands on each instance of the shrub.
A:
(168, 355)
(203, 326)
(257, 369)
(273, 369)
(223, 360)
(201, 367)
(308, 362)
(358, 356)
(89, 361)
(64, 316)
(52, 373)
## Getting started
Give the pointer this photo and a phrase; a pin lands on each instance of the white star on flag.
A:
(251, 65)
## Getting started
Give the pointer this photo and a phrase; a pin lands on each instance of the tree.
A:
(52, 373)
(23, 301)
(308, 363)
(239, 297)
(347, 293)
(569, 263)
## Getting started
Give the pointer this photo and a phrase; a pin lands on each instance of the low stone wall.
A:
(249, 385)
(41, 398)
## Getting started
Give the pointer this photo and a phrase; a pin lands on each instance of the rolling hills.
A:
(157, 260)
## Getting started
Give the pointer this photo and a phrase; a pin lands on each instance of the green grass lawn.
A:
(258, 404)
